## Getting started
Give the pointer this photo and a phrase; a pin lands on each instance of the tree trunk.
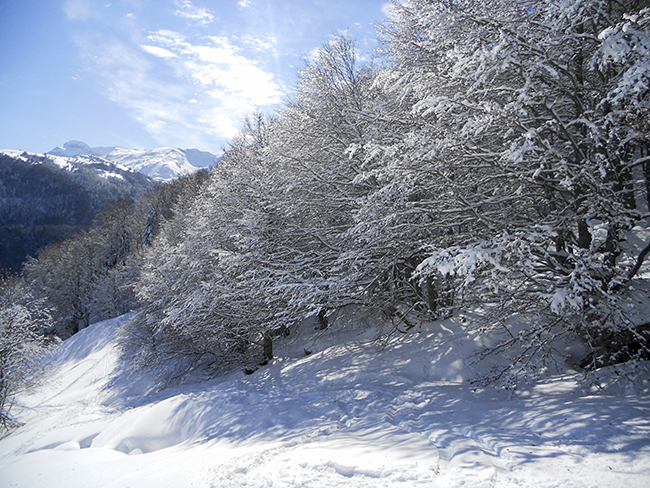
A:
(267, 346)
(584, 236)
(639, 262)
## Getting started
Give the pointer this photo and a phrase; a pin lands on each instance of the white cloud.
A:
(168, 38)
(267, 44)
(218, 67)
(244, 3)
(158, 51)
(199, 102)
(219, 52)
(196, 14)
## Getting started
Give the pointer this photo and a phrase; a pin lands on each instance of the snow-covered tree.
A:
(259, 249)
(194, 286)
(491, 160)
(64, 276)
(84, 279)
(515, 171)
(23, 322)
(331, 112)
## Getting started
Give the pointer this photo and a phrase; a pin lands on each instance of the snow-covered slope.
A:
(356, 412)
(161, 164)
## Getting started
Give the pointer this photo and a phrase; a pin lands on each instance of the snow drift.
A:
(359, 410)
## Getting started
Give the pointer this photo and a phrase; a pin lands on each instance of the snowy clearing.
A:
(353, 413)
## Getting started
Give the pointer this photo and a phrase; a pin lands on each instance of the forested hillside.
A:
(43, 202)
(493, 158)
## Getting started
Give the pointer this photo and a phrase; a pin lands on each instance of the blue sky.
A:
(152, 73)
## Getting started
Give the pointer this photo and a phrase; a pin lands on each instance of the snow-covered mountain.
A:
(159, 164)
(162, 164)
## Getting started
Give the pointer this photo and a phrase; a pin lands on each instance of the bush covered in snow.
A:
(23, 320)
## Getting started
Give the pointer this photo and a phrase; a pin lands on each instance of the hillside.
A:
(44, 199)
(356, 412)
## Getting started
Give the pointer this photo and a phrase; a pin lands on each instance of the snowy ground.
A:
(356, 414)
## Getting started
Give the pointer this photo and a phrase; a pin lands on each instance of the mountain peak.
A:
(72, 148)
(76, 144)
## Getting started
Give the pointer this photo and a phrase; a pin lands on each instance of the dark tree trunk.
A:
(639, 262)
(584, 236)
(267, 346)
(322, 319)
(431, 294)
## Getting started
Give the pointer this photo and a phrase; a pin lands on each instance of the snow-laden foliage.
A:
(196, 282)
(83, 279)
(525, 131)
(22, 322)
(259, 250)
(89, 276)
(495, 159)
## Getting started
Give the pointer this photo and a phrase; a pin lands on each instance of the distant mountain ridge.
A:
(45, 198)
(161, 164)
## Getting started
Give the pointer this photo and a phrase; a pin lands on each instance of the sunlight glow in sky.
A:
(152, 73)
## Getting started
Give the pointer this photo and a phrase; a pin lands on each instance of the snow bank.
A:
(356, 412)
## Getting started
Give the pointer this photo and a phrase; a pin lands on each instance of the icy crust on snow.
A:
(355, 412)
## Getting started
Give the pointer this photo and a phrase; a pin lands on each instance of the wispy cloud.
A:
(158, 51)
(219, 68)
(185, 86)
(186, 78)
(183, 93)
(195, 14)
(79, 9)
